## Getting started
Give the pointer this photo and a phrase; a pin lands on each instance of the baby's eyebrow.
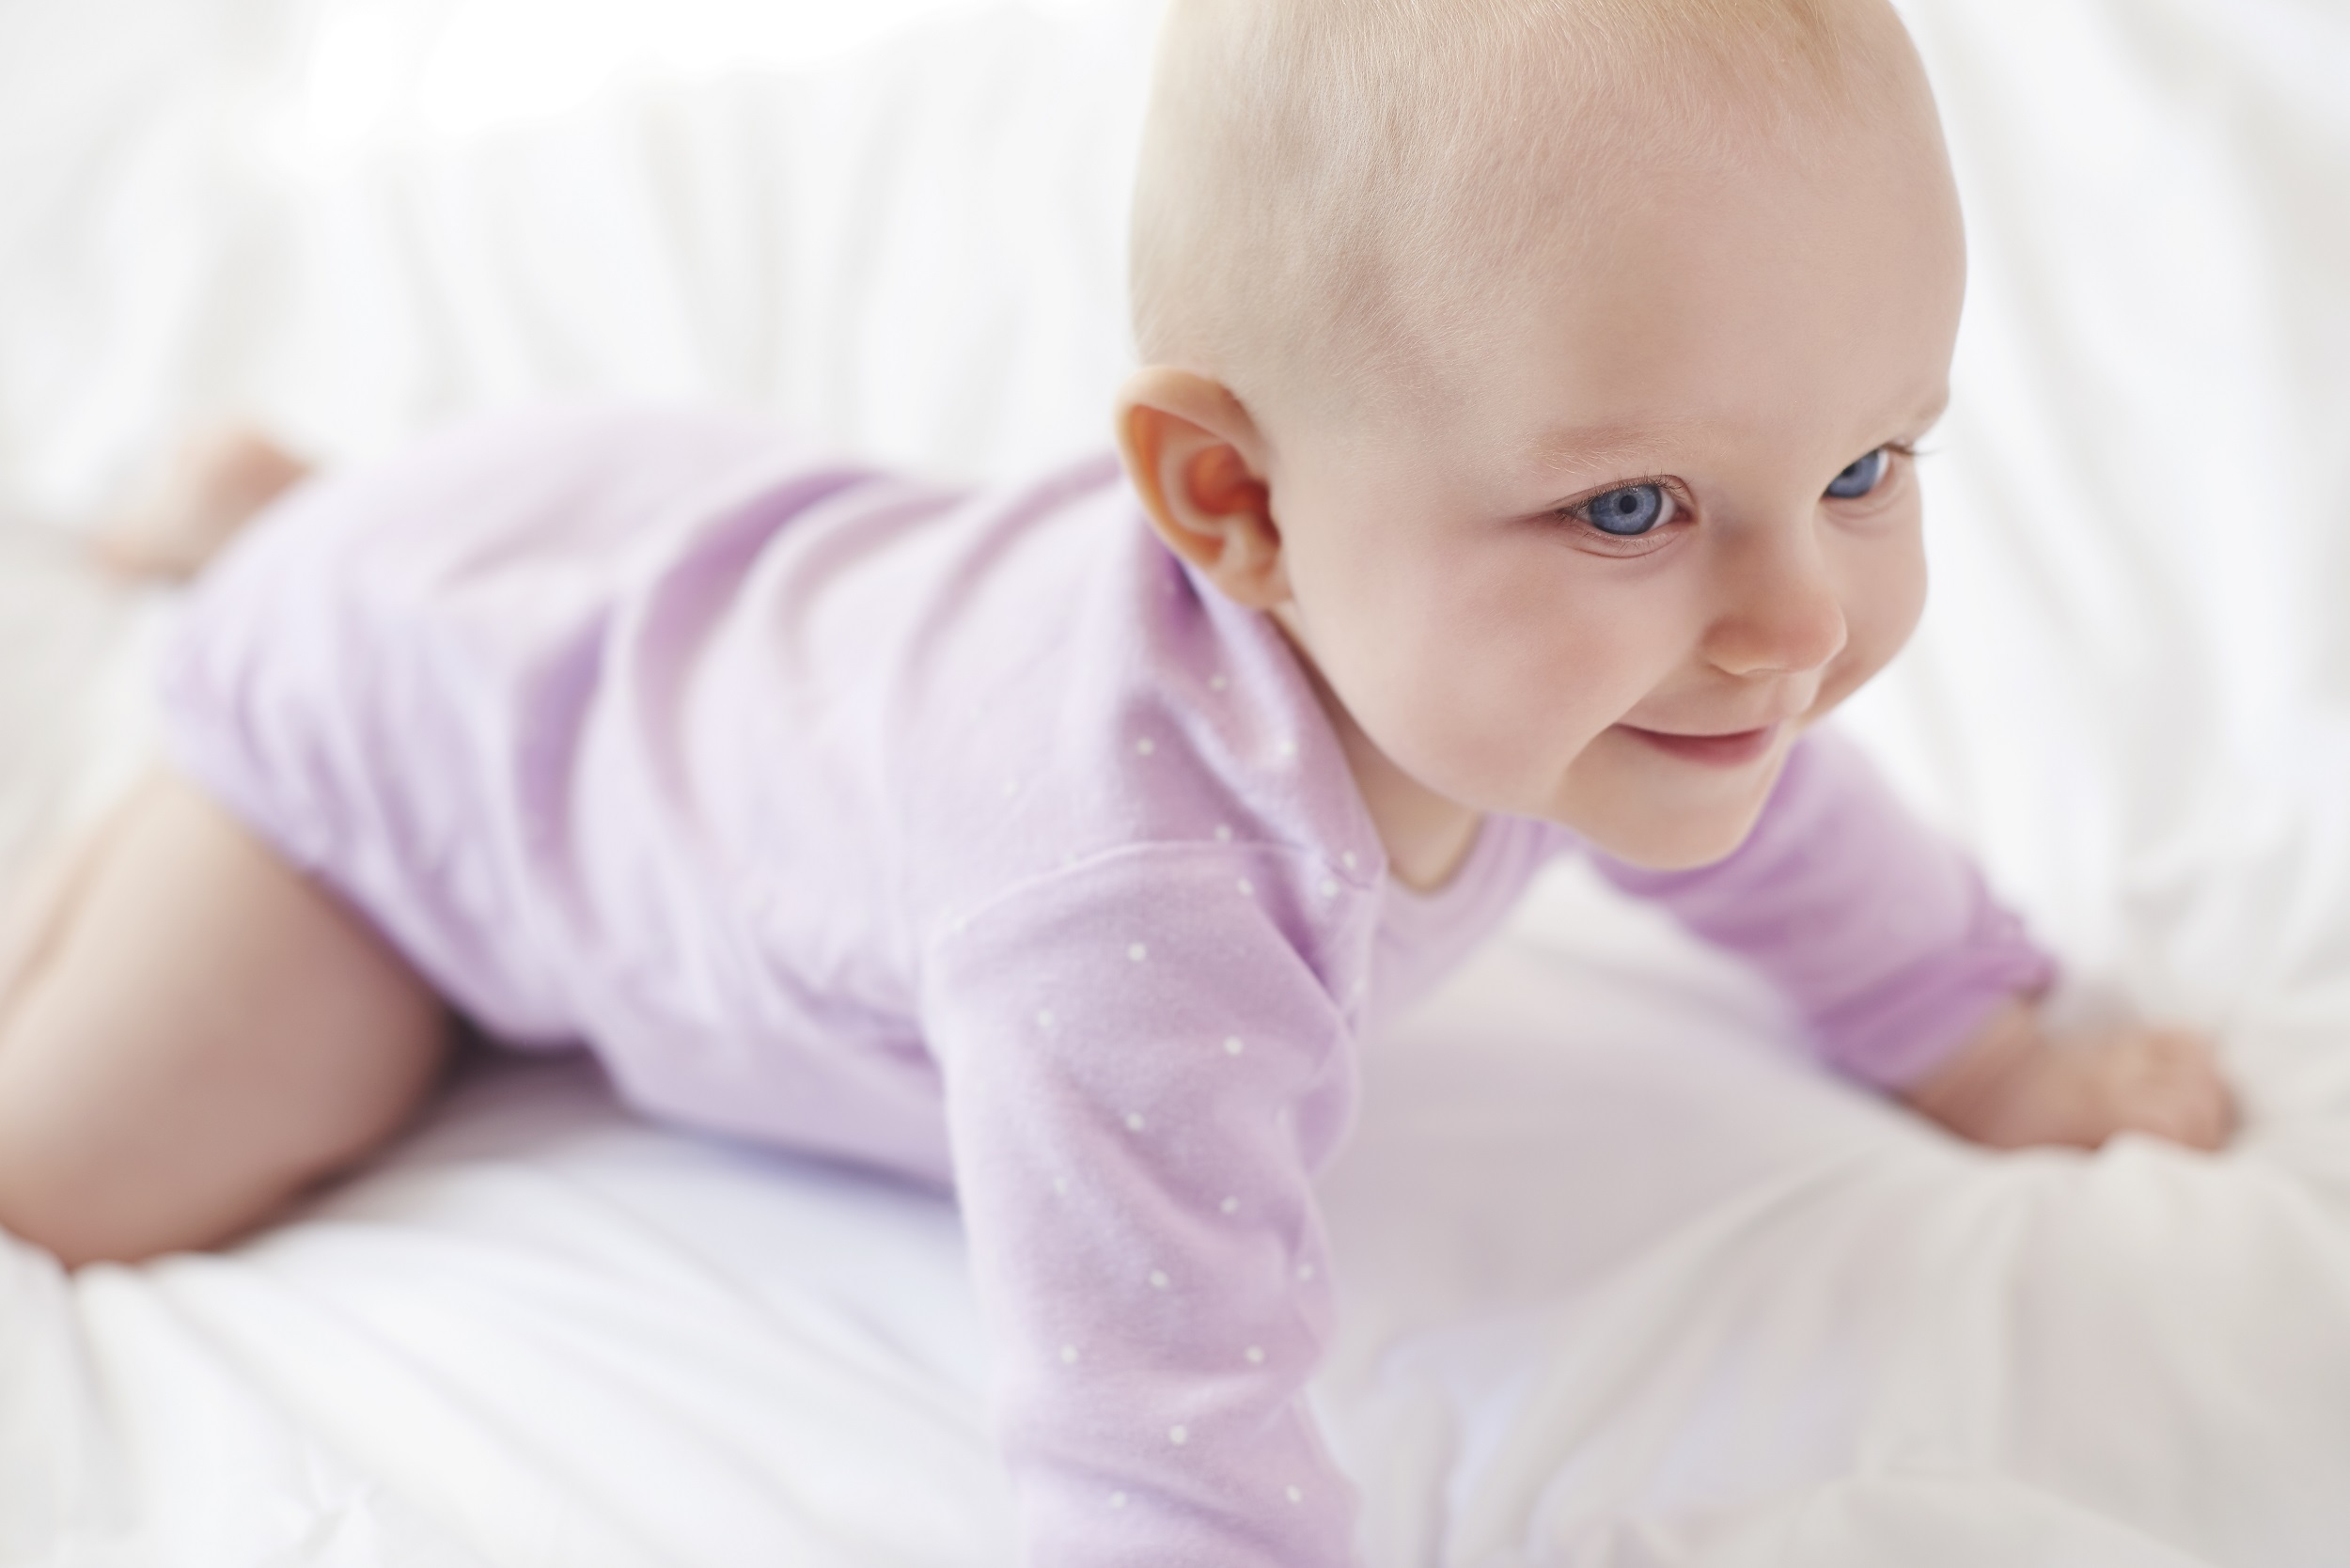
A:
(1623, 447)
(1608, 445)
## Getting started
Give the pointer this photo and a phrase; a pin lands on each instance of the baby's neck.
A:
(1426, 835)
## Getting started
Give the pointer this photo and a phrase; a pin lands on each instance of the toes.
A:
(240, 469)
(214, 485)
(141, 552)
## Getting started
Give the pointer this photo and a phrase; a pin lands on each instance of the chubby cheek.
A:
(1630, 802)
(1882, 586)
(1484, 670)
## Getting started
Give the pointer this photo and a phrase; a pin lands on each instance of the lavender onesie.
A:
(966, 834)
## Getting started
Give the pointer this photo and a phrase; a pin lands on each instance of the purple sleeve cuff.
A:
(1881, 931)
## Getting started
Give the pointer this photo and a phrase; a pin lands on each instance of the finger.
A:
(2200, 1117)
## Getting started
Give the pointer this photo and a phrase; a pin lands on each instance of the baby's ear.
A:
(1195, 460)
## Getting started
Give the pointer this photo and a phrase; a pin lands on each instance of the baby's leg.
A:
(212, 486)
(194, 1034)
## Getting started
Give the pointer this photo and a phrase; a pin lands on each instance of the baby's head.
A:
(1549, 368)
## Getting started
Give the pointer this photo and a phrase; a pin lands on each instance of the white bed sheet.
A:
(1625, 1285)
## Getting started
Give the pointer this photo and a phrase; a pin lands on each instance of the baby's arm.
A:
(1915, 979)
(1143, 1070)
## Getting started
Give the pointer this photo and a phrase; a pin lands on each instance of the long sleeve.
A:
(1880, 931)
(1144, 1068)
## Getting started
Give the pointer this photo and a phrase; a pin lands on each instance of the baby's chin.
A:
(1640, 803)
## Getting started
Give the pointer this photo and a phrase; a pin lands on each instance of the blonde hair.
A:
(1326, 184)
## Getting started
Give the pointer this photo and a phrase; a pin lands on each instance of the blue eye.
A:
(1629, 512)
(1862, 476)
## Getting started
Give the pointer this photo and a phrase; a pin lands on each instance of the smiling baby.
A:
(1523, 465)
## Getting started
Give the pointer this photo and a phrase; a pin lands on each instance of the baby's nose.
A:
(1778, 612)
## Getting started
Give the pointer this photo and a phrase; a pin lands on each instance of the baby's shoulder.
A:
(1215, 926)
(1142, 735)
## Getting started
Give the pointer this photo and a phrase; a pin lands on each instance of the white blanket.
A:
(1625, 1284)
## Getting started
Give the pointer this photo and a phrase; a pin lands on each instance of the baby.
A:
(1523, 465)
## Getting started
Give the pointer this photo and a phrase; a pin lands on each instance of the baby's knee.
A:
(95, 1184)
(51, 1202)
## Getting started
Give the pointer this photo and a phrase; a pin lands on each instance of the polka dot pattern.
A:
(1195, 1220)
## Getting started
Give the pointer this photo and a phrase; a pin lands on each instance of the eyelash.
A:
(1640, 544)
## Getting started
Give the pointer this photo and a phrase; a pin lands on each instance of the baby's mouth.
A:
(1731, 750)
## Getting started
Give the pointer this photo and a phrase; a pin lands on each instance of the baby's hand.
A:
(2014, 1087)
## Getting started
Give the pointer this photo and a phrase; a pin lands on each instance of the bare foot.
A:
(2015, 1088)
(213, 487)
